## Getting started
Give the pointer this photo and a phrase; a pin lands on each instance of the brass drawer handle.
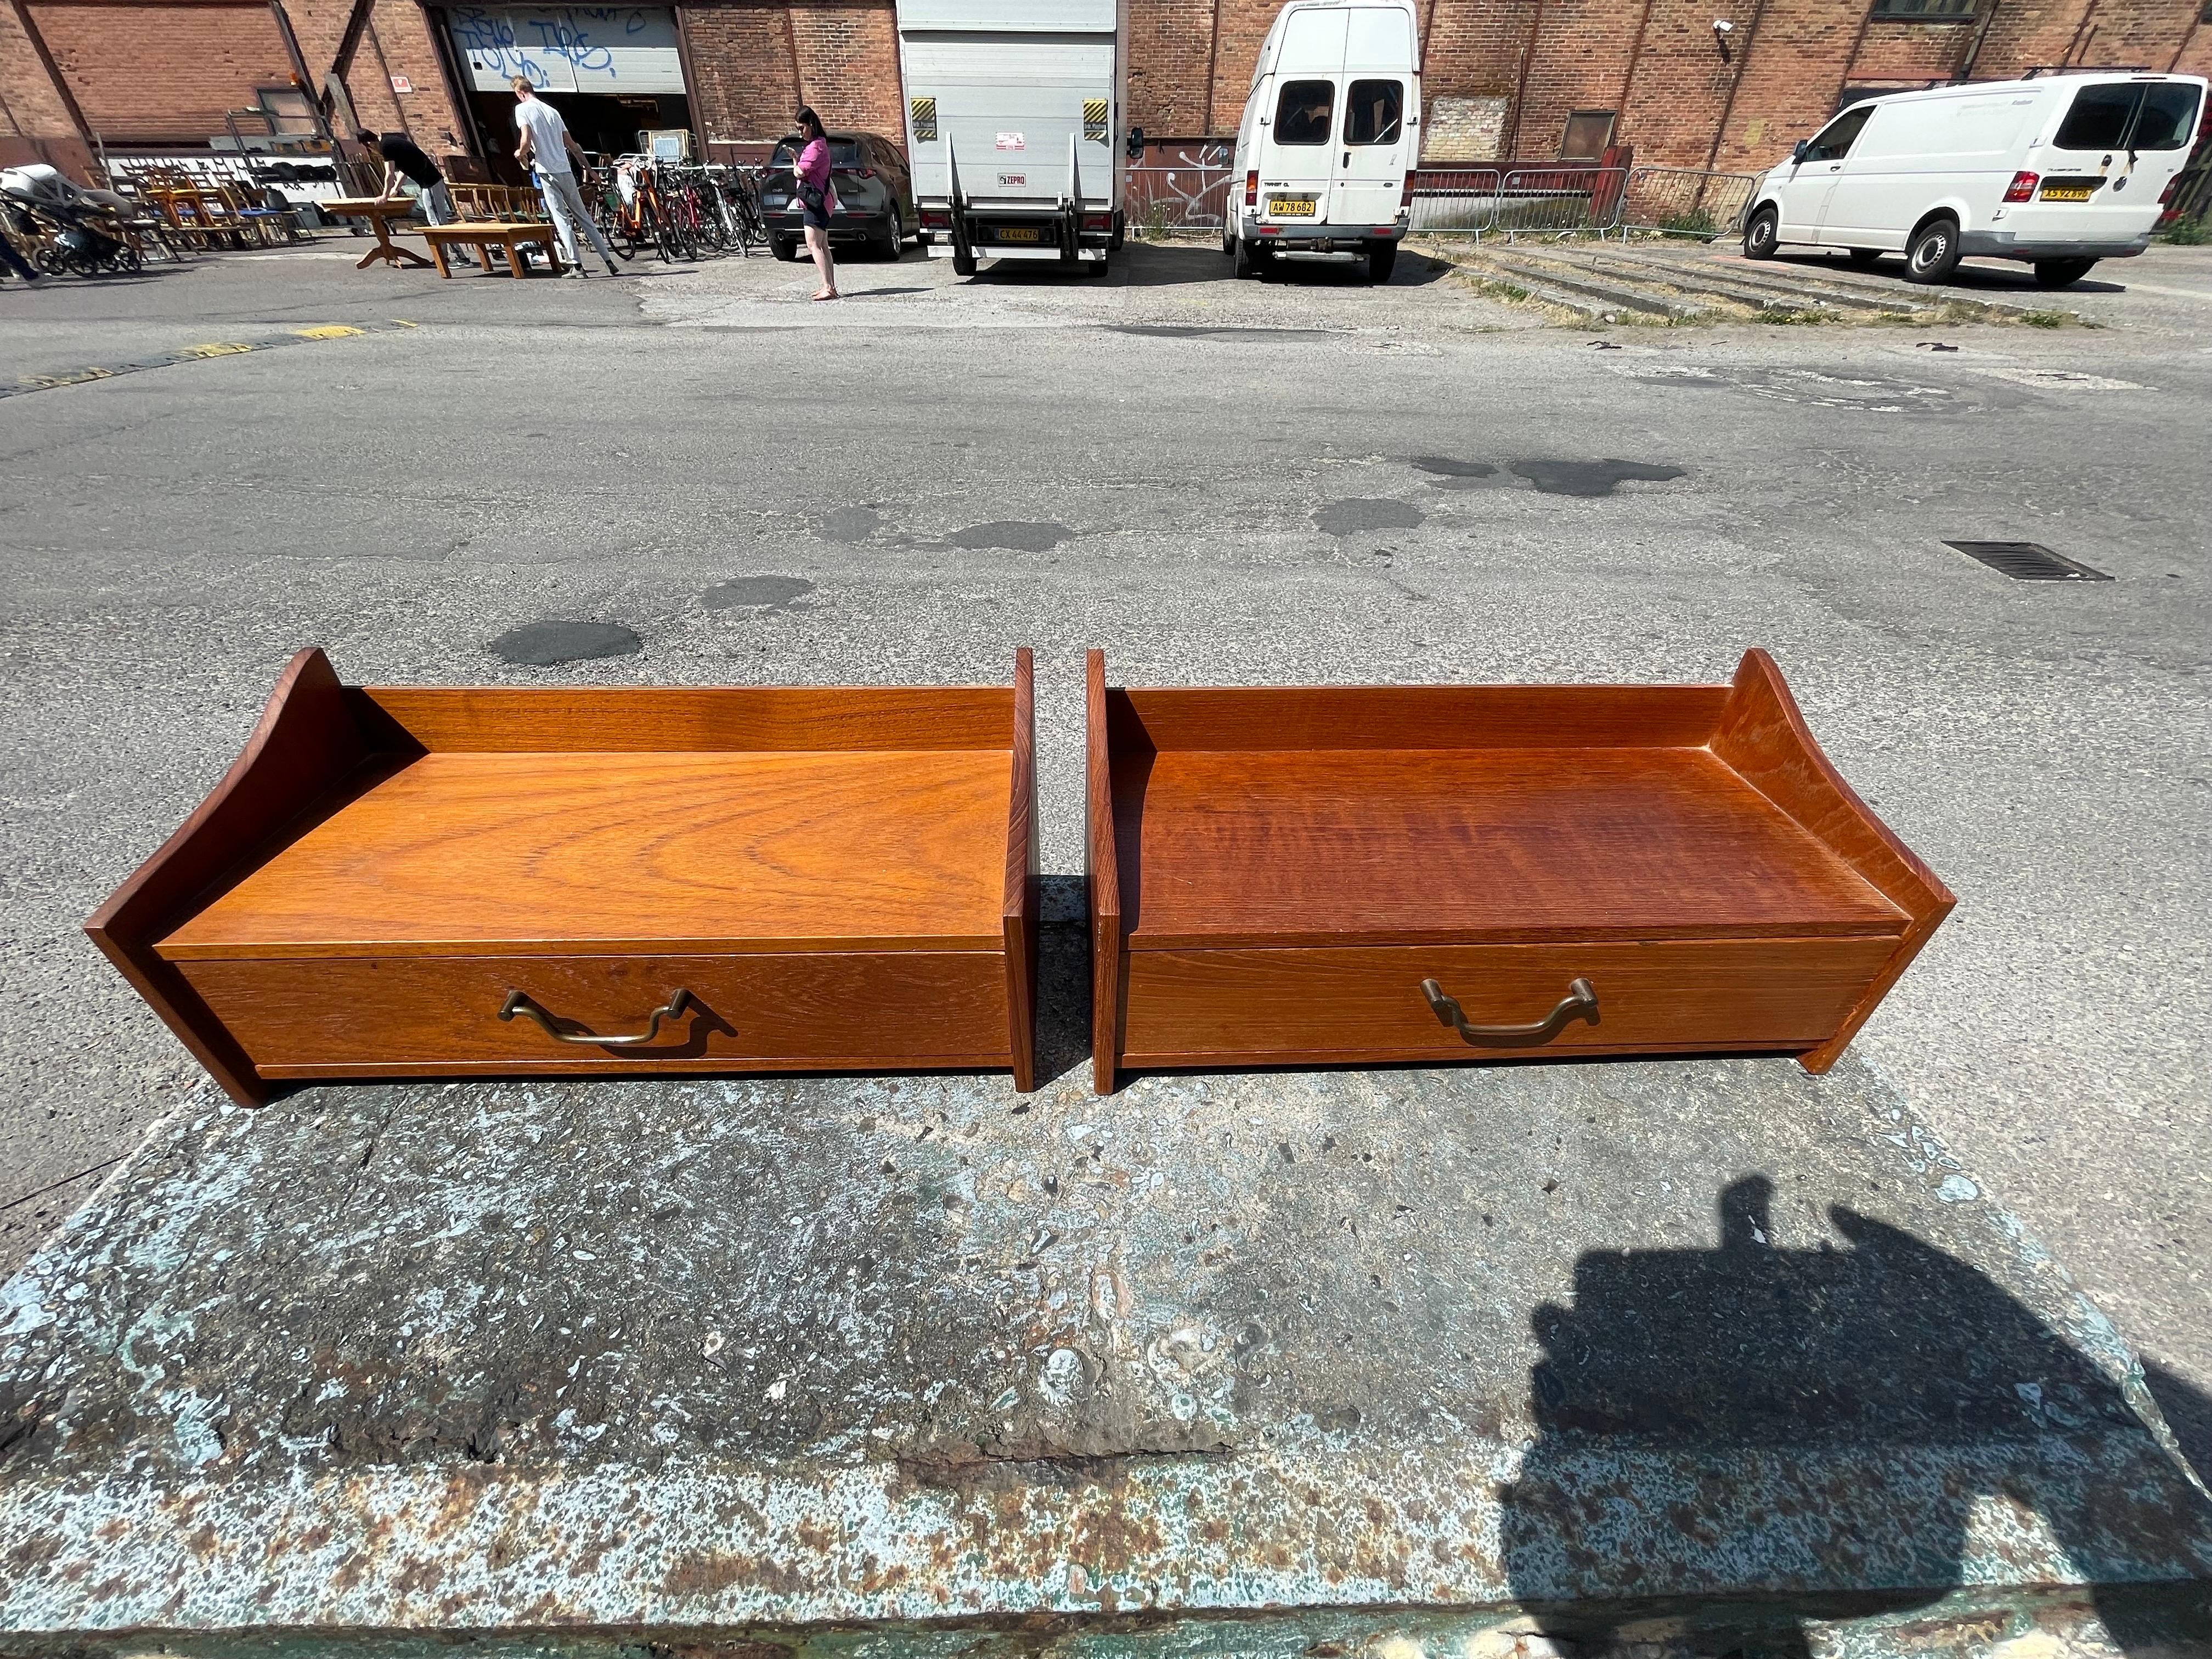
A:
(1580, 998)
(521, 1002)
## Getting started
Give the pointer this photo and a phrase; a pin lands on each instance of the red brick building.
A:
(1528, 79)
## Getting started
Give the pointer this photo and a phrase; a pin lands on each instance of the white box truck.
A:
(1330, 137)
(1016, 112)
(2057, 172)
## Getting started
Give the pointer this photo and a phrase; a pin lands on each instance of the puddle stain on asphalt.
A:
(849, 525)
(1014, 535)
(1349, 518)
(544, 644)
(755, 592)
(1444, 467)
(1590, 479)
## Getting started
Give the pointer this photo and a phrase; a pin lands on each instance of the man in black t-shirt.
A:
(402, 155)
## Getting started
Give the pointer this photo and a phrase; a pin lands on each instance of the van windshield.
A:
(2130, 115)
(1304, 112)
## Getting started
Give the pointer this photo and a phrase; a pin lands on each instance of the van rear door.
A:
(2117, 146)
(1299, 133)
(1374, 149)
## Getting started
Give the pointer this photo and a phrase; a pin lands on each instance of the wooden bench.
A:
(483, 234)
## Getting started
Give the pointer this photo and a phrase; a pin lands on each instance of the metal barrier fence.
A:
(1478, 201)
(1157, 199)
(1687, 200)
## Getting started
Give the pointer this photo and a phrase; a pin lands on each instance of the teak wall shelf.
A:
(1314, 875)
(415, 882)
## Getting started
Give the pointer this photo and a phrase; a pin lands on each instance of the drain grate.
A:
(2027, 561)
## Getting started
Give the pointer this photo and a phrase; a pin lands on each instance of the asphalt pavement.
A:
(1218, 482)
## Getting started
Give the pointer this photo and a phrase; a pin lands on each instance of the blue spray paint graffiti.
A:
(556, 47)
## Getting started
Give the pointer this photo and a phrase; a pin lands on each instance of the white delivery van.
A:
(2059, 172)
(1015, 113)
(1331, 135)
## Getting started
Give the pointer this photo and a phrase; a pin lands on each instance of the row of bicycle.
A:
(677, 211)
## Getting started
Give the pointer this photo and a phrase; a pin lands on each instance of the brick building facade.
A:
(1502, 77)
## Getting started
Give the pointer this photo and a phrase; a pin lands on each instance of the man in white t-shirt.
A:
(545, 149)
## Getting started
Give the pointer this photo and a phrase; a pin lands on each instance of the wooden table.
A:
(379, 212)
(483, 234)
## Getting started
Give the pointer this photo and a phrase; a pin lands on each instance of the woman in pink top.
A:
(817, 198)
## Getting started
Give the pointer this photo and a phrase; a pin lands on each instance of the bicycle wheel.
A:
(705, 210)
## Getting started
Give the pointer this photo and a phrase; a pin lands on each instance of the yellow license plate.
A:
(1018, 235)
(2051, 195)
(1290, 207)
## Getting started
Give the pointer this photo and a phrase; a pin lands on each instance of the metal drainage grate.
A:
(2026, 561)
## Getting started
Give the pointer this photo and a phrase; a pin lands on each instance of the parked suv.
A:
(874, 191)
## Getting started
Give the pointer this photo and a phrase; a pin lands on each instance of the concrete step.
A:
(1612, 294)
(1541, 293)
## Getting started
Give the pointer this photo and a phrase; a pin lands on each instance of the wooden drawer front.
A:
(337, 1016)
(1199, 1006)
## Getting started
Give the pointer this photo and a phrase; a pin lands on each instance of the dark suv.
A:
(874, 191)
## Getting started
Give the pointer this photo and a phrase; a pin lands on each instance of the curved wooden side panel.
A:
(1021, 893)
(1763, 736)
(1100, 866)
(305, 741)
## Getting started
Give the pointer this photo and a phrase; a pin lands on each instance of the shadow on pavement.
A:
(1994, 278)
(1682, 1399)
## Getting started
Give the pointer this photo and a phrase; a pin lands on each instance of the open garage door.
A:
(614, 72)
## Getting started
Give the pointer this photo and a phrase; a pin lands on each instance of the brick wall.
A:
(849, 66)
(154, 73)
(152, 70)
(746, 83)
(1171, 50)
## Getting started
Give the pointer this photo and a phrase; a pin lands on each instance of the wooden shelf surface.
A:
(1221, 848)
(568, 851)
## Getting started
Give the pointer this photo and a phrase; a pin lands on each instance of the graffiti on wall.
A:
(1181, 184)
(613, 49)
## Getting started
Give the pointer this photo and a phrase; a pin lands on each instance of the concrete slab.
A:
(1459, 1360)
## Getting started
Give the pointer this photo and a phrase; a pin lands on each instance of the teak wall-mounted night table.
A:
(1316, 875)
(418, 882)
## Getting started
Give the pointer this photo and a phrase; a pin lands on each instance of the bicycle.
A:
(740, 196)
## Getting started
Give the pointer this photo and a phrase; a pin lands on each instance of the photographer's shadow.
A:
(1813, 1430)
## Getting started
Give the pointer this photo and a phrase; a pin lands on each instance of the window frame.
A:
(1566, 132)
(1397, 131)
(1282, 101)
(1917, 11)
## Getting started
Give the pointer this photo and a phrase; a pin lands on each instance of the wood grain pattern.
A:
(1379, 847)
(658, 718)
(304, 743)
(321, 1016)
(1763, 736)
(1020, 892)
(562, 851)
(1419, 717)
(1365, 1003)
(1103, 876)
(1277, 861)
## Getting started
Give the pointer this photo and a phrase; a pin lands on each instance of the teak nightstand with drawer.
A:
(420, 881)
(1319, 875)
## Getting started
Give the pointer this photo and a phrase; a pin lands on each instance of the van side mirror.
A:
(1136, 143)
(1797, 150)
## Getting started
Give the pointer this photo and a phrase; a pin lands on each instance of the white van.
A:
(2060, 173)
(1331, 134)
